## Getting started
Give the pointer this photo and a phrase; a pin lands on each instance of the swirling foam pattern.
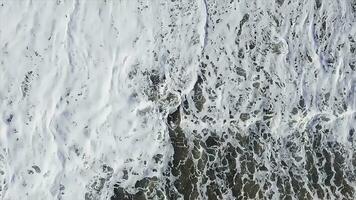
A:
(177, 99)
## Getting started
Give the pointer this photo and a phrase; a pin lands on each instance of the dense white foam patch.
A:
(98, 94)
(72, 92)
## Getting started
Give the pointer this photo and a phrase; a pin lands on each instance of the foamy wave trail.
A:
(181, 99)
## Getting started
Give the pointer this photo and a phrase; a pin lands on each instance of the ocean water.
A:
(177, 99)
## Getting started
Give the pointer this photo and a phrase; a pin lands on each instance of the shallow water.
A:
(180, 99)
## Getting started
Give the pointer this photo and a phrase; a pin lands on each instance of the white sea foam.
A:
(86, 88)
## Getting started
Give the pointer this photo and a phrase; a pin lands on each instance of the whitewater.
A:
(180, 99)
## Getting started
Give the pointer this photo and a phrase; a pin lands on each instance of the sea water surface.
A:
(177, 99)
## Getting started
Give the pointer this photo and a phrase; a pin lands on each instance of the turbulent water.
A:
(177, 99)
